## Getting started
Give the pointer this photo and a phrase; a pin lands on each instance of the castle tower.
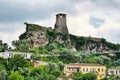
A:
(60, 25)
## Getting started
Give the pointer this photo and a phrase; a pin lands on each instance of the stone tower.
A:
(60, 25)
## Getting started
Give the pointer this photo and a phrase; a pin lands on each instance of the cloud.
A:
(110, 30)
(10, 32)
(79, 25)
(21, 10)
(100, 9)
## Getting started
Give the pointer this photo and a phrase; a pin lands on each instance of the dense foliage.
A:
(87, 76)
(21, 45)
(18, 68)
(3, 46)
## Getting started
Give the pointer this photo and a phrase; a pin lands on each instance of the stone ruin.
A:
(60, 24)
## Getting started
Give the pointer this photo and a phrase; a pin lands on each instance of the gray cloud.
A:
(20, 10)
(99, 7)
(11, 27)
(23, 10)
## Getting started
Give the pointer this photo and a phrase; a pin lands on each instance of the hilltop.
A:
(39, 36)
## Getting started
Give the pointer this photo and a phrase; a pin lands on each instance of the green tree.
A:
(3, 75)
(116, 63)
(17, 61)
(52, 67)
(56, 73)
(24, 71)
(112, 77)
(77, 75)
(87, 76)
(2, 67)
(51, 77)
(5, 46)
(3, 63)
(15, 76)
(22, 45)
(30, 78)
(61, 66)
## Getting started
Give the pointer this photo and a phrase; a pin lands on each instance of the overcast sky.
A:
(98, 18)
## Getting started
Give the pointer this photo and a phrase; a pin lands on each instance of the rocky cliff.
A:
(42, 36)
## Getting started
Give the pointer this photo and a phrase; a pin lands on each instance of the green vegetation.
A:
(33, 27)
(3, 46)
(87, 76)
(59, 52)
(21, 45)
(16, 62)
(18, 68)
(3, 75)
(69, 56)
(15, 76)
(23, 36)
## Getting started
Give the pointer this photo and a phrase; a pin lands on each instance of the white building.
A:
(114, 71)
(7, 55)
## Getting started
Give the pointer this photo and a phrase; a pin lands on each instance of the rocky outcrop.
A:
(41, 36)
(36, 34)
(95, 47)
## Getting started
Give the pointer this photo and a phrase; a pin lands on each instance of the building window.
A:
(83, 69)
(102, 69)
(98, 69)
(116, 71)
(111, 72)
(92, 70)
(25, 55)
(68, 69)
(77, 69)
(10, 54)
(87, 69)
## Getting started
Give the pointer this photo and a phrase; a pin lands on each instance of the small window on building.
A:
(83, 69)
(68, 69)
(25, 55)
(10, 54)
(77, 69)
(92, 70)
(87, 69)
(98, 69)
(111, 72)
(102, 69)
(116, 71)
